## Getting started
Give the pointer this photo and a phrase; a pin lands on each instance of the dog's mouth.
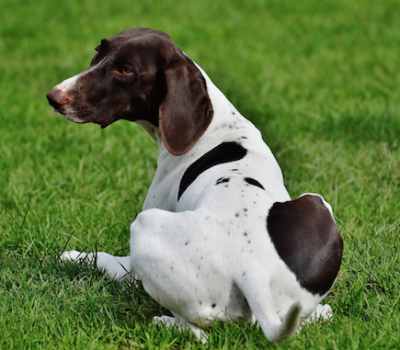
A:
(75, 116)
(104, 123)
(81, 117)
(74, 109)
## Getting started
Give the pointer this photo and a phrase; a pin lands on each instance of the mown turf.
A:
(321, 81)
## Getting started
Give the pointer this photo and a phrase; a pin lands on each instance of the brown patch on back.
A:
(308, 241)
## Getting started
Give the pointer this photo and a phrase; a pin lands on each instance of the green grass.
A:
(321, 81)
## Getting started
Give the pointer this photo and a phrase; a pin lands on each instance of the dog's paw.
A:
(323, 312)
(72, 255)
(167, 321)
(181, 325)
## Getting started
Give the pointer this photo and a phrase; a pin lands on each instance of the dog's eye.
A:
(125, 70)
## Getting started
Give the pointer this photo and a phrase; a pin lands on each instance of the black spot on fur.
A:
(253, 182)
(222, 180)
(226, 152)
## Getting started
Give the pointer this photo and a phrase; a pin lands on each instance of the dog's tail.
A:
(289, 325)
(259, 298)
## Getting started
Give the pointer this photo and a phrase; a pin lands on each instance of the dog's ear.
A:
(186, 110)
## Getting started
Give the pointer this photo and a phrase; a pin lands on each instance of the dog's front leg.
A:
(117, 267)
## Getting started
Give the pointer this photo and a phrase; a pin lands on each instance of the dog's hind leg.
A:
(117, 267)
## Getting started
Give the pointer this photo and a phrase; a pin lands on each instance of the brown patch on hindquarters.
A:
(307, 239)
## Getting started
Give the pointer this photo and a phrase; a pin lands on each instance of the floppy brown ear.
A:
(186, 110)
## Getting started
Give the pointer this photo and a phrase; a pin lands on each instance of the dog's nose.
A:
(57, 98)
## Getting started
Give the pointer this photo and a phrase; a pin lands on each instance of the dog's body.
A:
(219, 237)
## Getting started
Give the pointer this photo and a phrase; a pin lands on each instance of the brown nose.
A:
(57, 98)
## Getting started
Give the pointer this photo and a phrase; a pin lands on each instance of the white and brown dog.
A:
(218, 237)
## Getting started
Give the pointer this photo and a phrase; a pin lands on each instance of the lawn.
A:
(320, 79)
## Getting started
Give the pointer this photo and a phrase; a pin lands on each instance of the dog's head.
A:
(139, 75)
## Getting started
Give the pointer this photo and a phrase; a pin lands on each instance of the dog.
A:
(219, 237)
